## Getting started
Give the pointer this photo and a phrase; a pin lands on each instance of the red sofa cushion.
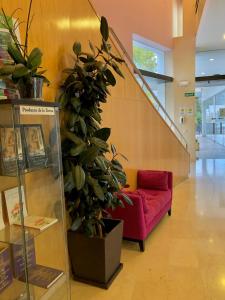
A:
(153, 180)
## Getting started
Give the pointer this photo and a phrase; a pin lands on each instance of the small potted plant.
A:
(93, 181)
(25, 70)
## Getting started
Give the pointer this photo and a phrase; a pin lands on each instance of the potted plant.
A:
(25, 70)
(93, 181)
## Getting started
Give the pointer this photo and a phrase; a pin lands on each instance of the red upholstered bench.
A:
(151, 201)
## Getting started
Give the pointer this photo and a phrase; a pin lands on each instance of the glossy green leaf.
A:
(63, 99)
(83, 126)
(126, 198)
(78, 149)
(20, 71)
(99, 143)
(76, 103)
(121, 177)
(104, 28)
(76, 224)
(78, 177)
(73, 119)
(68, 182)
(89, 155)
(117, 69)
(110, 77)
(16, 54)
(113, 149)
(77, 48)
(101, 163)
(103, 133)
(96, 188)
(71, 136)
(34, 59)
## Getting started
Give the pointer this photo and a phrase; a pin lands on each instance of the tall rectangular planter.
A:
(96, 260)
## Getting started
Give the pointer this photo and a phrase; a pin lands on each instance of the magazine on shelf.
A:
(2, 225)
(35, 148)
(42, 276)
(13, 208)
(12, 150)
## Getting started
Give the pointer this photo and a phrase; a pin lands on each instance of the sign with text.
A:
(190, 94)
(37, 110)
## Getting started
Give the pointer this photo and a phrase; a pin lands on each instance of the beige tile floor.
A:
(185, 255)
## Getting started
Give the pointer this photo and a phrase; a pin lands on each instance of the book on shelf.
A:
(36, 222)
(6, 276)
(42, 276)
(17, 254)
(14, 205)
(2, 224)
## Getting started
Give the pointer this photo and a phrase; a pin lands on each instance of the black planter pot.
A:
(96, 261)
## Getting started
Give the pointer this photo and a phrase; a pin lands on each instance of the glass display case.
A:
(33, 246)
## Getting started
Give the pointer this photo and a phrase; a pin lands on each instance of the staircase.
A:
(141, 128)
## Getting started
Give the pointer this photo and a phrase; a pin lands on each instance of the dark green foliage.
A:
(92, 181)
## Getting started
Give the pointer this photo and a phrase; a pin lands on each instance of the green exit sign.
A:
(190, 94)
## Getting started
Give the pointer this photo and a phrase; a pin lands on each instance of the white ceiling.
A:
(211, 33)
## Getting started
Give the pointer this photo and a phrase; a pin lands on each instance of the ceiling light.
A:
(203, 73)
(212, 59)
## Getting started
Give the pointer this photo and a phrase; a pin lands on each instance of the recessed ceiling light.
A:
(203, 73)
(212, 59)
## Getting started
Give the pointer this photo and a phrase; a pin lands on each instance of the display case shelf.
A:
(31, 187)
(17, 291)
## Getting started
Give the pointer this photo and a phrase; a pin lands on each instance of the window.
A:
(148, 58)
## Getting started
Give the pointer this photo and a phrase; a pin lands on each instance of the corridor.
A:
(210, 147)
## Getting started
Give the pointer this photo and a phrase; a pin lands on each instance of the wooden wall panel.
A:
(137, 130)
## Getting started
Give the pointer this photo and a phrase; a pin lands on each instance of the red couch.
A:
(151, 201)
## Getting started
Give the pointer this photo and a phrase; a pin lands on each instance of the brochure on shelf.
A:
(13, 204)
(36, 154)
(13, 208)
(2, 224)
(11, 147)
(42, 276)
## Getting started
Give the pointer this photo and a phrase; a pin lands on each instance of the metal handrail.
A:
(166, 117)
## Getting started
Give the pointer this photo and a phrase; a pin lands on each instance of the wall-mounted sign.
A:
(36, 110)
(190, 94)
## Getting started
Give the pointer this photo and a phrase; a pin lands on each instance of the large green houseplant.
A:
(93, 174)
(25, 71)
